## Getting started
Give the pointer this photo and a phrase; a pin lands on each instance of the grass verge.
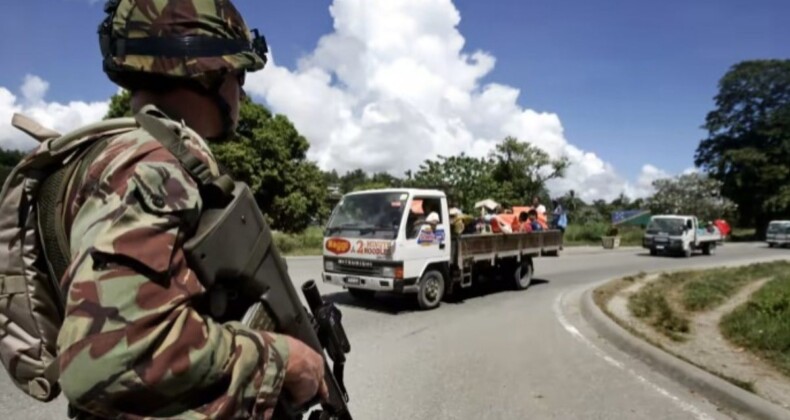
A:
(591, 234)
(667, 303)
(651, 304)
(308, 242)
(762, 325)
(603, 294)
(743, 235)
(707, 289)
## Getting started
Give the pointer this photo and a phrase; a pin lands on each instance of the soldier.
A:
(134, 342)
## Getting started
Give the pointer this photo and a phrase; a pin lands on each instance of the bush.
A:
(310, 241)
(592, 233)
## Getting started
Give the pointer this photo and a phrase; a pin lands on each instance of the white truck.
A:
(680, 234)
(778, 233)
(391, 240)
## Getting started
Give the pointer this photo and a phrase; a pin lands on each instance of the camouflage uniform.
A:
(134, 343)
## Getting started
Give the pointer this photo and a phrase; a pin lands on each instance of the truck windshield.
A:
(669, 226)
(375, 215)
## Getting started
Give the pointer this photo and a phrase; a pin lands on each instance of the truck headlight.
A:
(388, 272)
(329, 266)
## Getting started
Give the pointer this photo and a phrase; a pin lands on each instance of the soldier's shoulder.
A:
(140, 147)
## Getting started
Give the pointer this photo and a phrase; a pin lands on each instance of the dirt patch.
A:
(703, 345)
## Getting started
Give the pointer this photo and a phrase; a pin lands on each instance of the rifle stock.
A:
(233, 254)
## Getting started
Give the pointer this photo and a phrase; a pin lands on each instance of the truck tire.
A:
(362, 294)
(709, 249)
(431, 290)
(653, 252)
(522, 275)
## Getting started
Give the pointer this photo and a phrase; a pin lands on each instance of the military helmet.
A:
(167, 40)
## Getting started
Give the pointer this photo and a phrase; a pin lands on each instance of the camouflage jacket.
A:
(133, 343)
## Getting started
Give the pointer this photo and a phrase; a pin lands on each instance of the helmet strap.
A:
(227, 123)
(223, 106)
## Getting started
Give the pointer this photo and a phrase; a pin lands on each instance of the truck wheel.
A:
(709, 249)
(522, 276)
(431, 290)
(362, 294)
(653, 252)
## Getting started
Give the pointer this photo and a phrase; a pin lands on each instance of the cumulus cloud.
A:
(54, 115)
(392, 86)
(389, 87)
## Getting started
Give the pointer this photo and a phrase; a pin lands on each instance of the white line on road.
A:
(699, 414)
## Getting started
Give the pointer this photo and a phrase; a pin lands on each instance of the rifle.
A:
(233, 253)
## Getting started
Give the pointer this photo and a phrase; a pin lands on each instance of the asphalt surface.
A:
(496, 354)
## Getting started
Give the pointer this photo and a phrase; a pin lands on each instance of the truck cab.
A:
(383, 240)
(679, 234)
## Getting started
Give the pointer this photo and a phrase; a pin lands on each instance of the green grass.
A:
(707, 289)
(762, 325)
(309, 242)
(591, 234)
(743, 235)
(667, 302)
(652, 305)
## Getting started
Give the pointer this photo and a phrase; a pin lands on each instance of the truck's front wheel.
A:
(431, 290)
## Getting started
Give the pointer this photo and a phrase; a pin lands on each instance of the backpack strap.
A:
(33, 128)
(52, 211)
(211, 186)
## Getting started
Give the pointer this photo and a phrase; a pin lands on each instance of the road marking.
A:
(573, 331)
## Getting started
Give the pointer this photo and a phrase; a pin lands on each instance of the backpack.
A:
(31, 209)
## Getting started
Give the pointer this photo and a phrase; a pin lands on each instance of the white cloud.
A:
(392, 86)
(54, 115)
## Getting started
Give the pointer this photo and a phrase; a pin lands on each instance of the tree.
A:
(464, 179)
(693, 194)
(120, 105)
(522, 170)
(8, 160)
(269, 155)
(352, 180)
(748, 143)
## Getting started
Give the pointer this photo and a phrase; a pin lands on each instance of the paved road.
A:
(496, 354)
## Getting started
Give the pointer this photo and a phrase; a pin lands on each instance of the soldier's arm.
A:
(132, 340)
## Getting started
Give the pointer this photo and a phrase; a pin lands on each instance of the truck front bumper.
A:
(378, 284)
(663, 246)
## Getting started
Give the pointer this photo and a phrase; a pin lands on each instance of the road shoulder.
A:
(709, 385)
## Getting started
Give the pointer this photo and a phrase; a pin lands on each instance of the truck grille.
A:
(362, 267)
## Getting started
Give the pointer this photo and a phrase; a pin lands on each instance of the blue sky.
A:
(630, 80)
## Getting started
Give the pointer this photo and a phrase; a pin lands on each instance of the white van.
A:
(778, 233)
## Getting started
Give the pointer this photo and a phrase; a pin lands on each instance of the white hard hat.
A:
(432, 218)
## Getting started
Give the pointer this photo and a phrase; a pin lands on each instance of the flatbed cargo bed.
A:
(490, 246)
